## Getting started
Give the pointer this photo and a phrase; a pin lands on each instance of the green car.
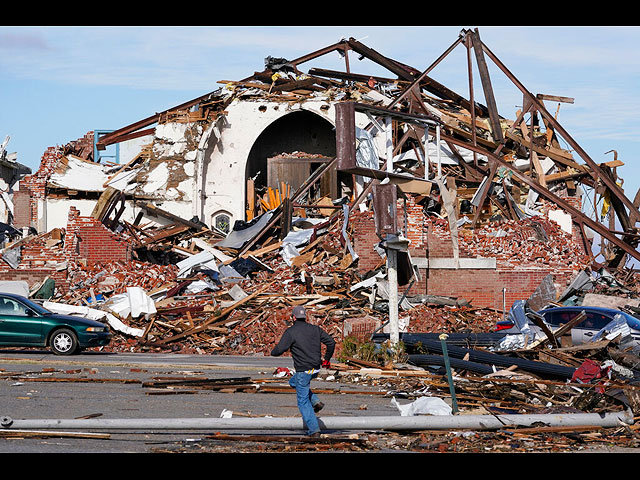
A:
(24, 323)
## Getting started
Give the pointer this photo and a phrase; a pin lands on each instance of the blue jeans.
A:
(306, 399)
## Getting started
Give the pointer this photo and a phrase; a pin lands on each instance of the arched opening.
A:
(287, 152)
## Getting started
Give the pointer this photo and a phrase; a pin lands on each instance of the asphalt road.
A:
(43, 386)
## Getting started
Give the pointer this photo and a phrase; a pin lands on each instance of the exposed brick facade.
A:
(34, 186)
(522, 260)
(88, 239)
(22, 208)
(85, 240)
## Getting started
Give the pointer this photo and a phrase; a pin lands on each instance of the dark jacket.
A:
(305, 341)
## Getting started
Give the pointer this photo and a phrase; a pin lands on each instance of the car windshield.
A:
(14, 306)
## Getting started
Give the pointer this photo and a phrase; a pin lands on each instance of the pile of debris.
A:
(214, 300)
(470, 192)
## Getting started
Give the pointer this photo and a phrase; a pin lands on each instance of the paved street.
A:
(39, 385)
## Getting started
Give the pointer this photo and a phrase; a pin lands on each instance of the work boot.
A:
(318, 406)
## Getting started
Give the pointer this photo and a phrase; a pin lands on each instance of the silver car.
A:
(597, 321)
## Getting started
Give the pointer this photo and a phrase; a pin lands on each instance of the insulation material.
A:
(203, 260)
(135, 303)
(93, 314)
(77, 174)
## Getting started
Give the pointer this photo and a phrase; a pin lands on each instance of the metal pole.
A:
(419, 422)
(438, 151)
(504, 303)
(427, 163)
(392, 276)
(447, 364)
(389, 144)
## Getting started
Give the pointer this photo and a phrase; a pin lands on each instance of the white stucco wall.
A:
(213, 173)
(223, 187)
(56, 212)
(131, 148)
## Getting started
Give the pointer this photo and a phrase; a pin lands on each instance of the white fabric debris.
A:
(134, 302)
(423, 406)
(203, 259)
(93, 314)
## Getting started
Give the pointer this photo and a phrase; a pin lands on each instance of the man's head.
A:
(299, 313)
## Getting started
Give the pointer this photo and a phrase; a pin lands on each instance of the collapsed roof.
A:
(502, 161)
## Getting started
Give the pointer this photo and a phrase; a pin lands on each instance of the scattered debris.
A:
(429, 214)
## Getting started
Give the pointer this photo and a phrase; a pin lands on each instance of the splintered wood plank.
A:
(50, 434)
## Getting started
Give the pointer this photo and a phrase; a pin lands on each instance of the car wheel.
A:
(63, 342)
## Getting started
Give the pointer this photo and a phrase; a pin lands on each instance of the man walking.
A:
(305, 341)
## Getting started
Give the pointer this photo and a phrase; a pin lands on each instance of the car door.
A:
(594, 322)
(18, 325)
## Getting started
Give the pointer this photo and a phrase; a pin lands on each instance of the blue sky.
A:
(58, 83)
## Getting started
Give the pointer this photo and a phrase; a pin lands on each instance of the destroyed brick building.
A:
(314, 176)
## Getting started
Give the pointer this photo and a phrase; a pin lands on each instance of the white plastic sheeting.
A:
(134, 302)
(203, 259)
(93, 314)
(423, 406)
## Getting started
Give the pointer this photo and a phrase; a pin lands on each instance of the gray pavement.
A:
(39, 385)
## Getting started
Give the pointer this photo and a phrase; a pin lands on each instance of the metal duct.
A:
(425, 361)
(460, 339)
(435, 346)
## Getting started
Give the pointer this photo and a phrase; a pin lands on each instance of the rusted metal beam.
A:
(494, 118)
(594, 167)
(468, 45)
(318, 53)
(357, 77)
(578, 216)
(399, 69)
(424, 78)
(118, 135)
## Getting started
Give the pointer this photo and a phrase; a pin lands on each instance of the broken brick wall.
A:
(33, 187)
(35, 184)
(484, 287)
(22, 208)
(87, 238)
(526, 252)
(38, 260)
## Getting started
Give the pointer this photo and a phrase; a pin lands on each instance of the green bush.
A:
(369, 351)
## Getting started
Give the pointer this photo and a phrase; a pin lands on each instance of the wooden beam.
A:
(575, 213)
(595, 169)
(496, 129)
